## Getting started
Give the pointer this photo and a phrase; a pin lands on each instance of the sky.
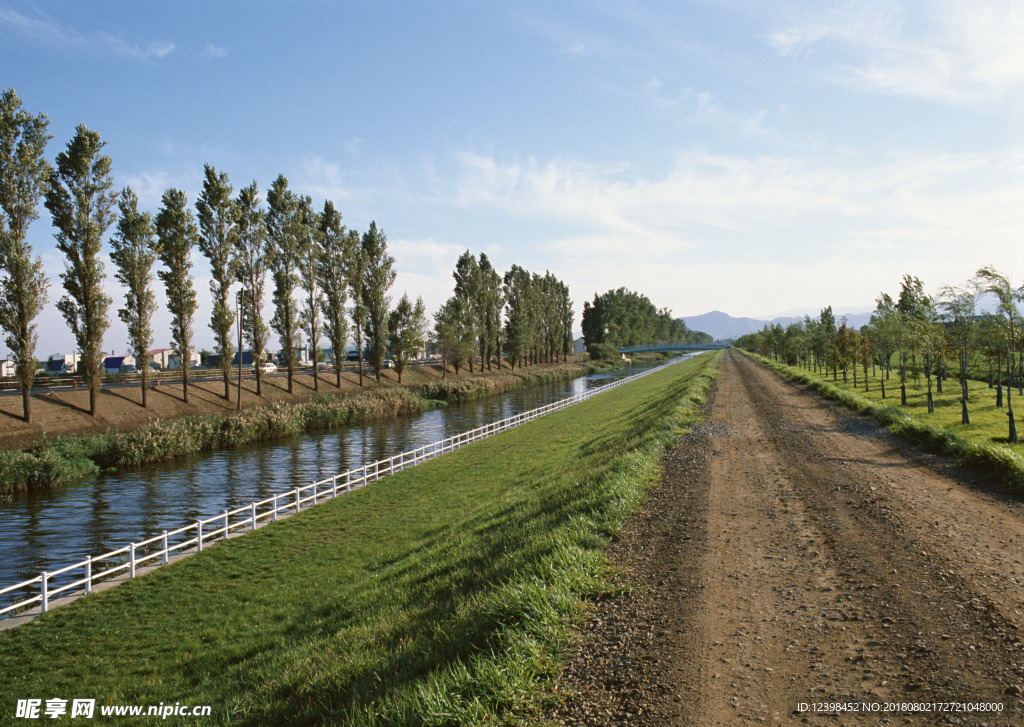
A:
(750, 157)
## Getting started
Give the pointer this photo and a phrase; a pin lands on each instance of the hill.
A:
(722, 326)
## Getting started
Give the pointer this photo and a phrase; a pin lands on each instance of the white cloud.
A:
(50, 32)
(214, 51)
(952, 51)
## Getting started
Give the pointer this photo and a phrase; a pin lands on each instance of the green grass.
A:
(443, 595)
(982, 444)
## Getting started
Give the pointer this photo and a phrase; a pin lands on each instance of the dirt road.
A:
(794, 554)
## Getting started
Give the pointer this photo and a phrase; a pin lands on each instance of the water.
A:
(49, 530)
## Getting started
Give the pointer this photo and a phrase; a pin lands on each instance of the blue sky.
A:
(751, 157)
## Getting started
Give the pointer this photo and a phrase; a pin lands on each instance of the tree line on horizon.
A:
(621, 318)
(329, 282)
(918, 334)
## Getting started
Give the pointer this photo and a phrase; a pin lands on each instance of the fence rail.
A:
(194, 537)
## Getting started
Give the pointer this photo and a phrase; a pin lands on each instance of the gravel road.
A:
(794, 554)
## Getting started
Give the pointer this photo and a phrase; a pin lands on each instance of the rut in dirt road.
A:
(793, 554)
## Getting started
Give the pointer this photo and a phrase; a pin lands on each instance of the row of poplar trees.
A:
(310, 257)
(917, 333)
(526, 315)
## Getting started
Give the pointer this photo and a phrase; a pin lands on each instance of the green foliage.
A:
(177, 234)
(217, 216)
(337, 247)
(407, 332)
(80, 202)
(454, 333)
(603, 352)
(286, 234)
(133, 252)
(378, 277)
(249, 239)
(624, 318)
(24, 173)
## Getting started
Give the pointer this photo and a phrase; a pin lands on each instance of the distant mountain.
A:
(723, 326)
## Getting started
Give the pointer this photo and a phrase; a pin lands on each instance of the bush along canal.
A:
(443, 595)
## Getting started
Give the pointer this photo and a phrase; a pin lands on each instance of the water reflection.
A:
(44, 531)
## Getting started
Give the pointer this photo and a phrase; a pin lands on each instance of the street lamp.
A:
(238, 314)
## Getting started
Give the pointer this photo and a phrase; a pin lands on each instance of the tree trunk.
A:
(316, 378)
(26, 403)
(1012, 434)
(184, 381)
(965, 415)
(227, 384)
(882, 382)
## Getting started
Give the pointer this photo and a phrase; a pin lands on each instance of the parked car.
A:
(388, 364)
(128, 369)
(267, 367)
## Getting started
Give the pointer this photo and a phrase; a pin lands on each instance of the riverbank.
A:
(443, 595)
(57, 461)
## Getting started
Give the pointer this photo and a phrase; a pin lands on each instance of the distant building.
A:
(114, 365)
(578, 346)
(174, 360)
(161, 357)
(63, 363)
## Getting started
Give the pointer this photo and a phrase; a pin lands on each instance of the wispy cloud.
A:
(214, 51)
(50, 32)
(951, 51)
(133, 51)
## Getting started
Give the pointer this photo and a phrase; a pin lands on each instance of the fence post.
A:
(88, 576)
(253, 515)
(225, 524)
(298, 498)
(44, 593)
(274, 519)
(131, 560)
(199, 536)
(165, 548)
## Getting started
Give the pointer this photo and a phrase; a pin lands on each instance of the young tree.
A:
(960, 305)
(407, 332)
(998, 285)
(177, 234)
(453, 333)
(378, 276)
(24, 174)
(356, 283)
(336, 248)
(285, 235)
(309, 263)
(249, 237)
(216, 222)
(133, 251)
(80, 202)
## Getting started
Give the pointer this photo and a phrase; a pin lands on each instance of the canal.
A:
(48, 530)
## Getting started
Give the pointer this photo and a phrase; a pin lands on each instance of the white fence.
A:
(202, 533)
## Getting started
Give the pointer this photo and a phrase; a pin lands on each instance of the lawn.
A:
(441, 595)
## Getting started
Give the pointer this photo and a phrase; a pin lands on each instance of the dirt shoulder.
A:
(793, 553)
(66, 411)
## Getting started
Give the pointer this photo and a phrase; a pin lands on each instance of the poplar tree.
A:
(407, 331)
(336, 248)
(216, 221)
(491, 302)
(284, 251)
(453, 334)
(378, 276)
(80, 202)
(133, 251)
(1008, 320)
(177, 234)
(519, 323)
(249, 237)
(24, 174)
(467, 289)
(309, 261)
(356, 282)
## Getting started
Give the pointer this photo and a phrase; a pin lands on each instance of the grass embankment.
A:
(61, 460)
(442, 595)
(982, 444)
